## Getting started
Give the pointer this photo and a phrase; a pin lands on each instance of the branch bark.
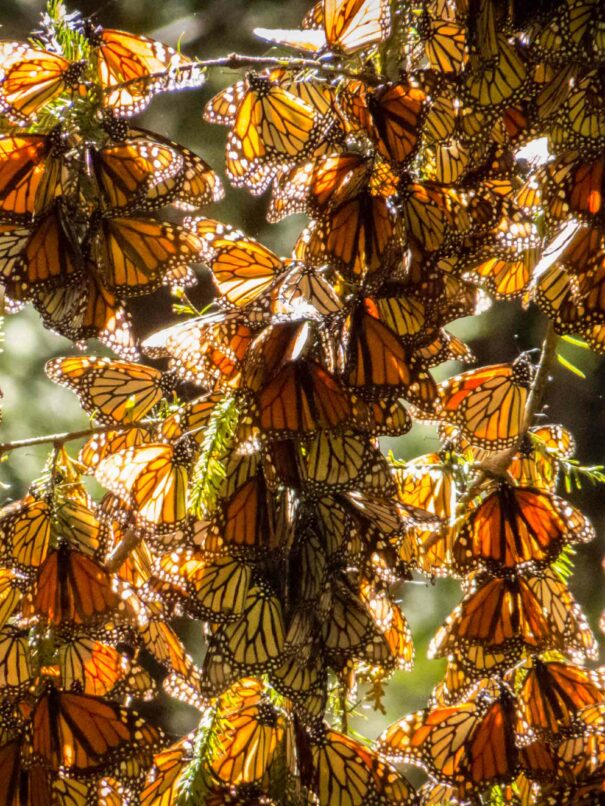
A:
(68, 436)
(236, 61)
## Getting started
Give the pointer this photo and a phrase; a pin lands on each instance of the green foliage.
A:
(209, 472)
(196, 782)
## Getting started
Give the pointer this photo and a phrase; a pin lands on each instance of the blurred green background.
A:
(33, 405)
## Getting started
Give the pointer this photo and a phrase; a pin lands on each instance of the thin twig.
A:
(235, 61)
(69, 436)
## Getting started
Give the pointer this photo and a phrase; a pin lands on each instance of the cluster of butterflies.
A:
(245, 485)
(78, 182)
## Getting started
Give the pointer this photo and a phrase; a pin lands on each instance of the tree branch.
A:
(116, 558)
(235, 61)
(69, 436)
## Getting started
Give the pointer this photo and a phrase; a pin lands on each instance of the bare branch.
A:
(131, 539)
(69, 436)
(236, 61)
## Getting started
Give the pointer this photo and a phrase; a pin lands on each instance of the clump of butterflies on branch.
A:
(260, 503)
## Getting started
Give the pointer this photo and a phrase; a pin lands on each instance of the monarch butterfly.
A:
(507, 273)
(250, 735)
(405, 315)
(193, 185)
(396, 649)
(246, 518)
(83, 735)
(444, 347)
(252, 643)
(537, 461)
(222, 107)
(444, 43)
(389, 418)
(303, 681)
(16, 667)
(122, 57)
(570, 631)
(91, 667)
(501, 616)
(352, 631)
(111, 391)
(360, 237)
(551, 696)
(88, 310)
(163, 780)
(585, 119)
(377, 358)
(470, 746)
(162, 642)
(152, 480)
(321, 184)
(580, 758)
(302, 397)
(555, 297)
(358, 231)
(515, 525)
(136, 255)
(274, 348)
(428, 483)
(78, 523)
(440, 119)
(304, 290)
(30, 174)
(390, 115)
(346, 771)
(495, 82)
(575, 303)
(242, 268)
(572, 186)
(135, 174)
(584, 793)
(433, 214)
(25, 527)
(215, 589)
(191, 419)
(273, 127)
(561, 33)
(99, 446)
(307, 566)
(487, 404)
(71, 792)
(348, 26)
(456, 686)
(382, 513)
(204, 350)
(39, 258)
(71, 588)
(19, 783)
(452, 160)
(31, 78)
